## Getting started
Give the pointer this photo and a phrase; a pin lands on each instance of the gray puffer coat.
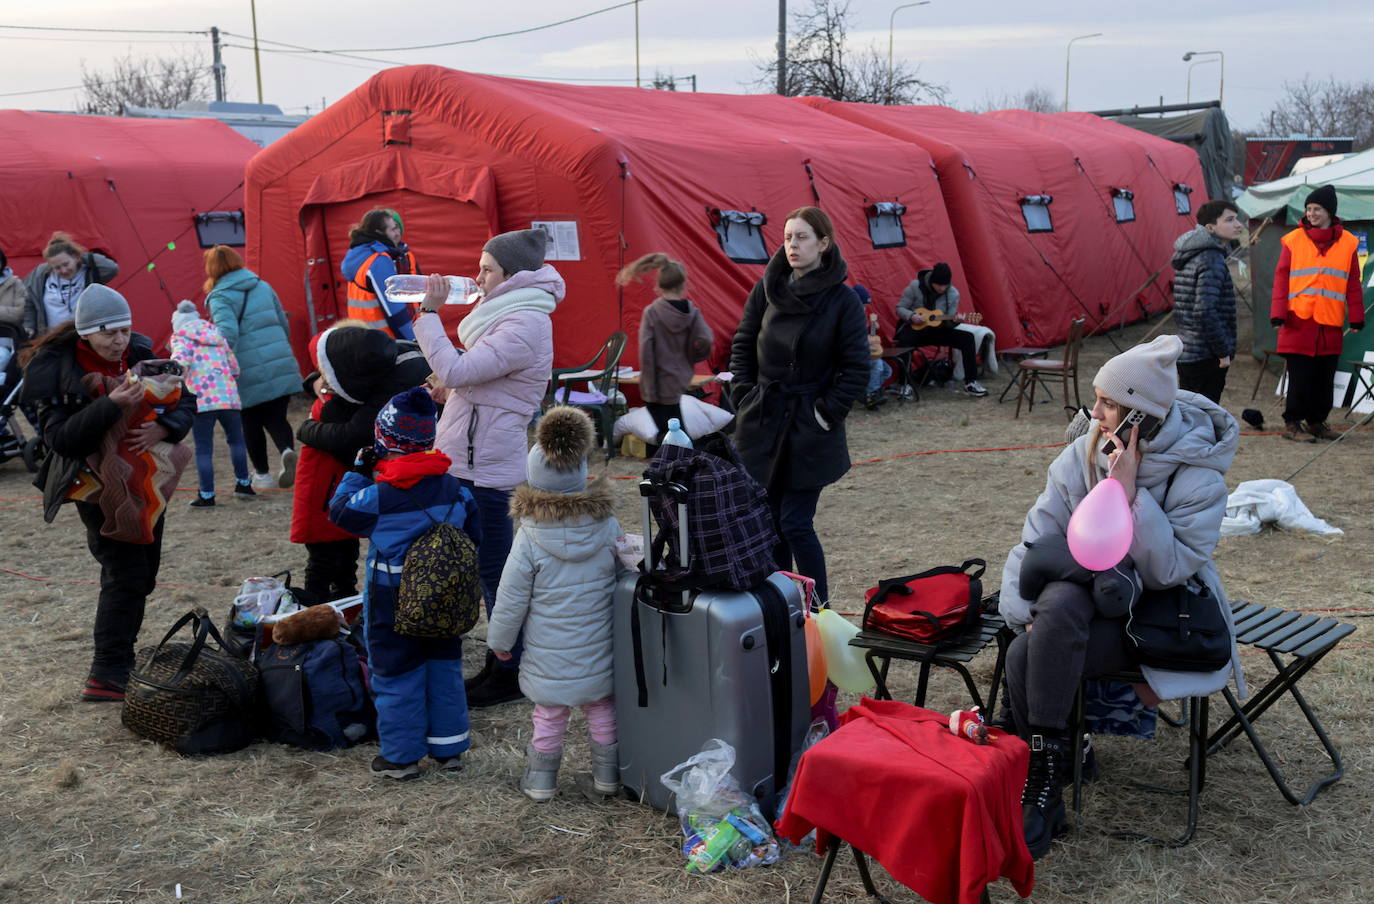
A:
(1177, 525)
(557, 583)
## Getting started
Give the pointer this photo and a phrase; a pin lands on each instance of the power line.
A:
(93, 40)
(504, 34)
(143, 31)
(116, 81)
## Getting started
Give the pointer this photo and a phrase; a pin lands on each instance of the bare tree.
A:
(161, 82)
(820, 62)
(1325, 109)
(1037, 99)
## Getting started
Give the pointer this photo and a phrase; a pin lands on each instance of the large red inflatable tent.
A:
(1149, 189)
(619, 172)
(130, 188)
(1039, 246)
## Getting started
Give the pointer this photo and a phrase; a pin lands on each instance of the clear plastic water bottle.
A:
(676, 436)
(409, 288)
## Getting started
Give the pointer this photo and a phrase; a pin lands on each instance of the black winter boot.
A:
(481, 677)
(1042, 801)
(501, 686)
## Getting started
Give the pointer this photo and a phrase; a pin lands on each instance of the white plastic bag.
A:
(698, 419)
(721, 825)
(257, 599)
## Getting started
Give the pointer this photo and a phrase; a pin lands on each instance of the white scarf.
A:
(492, 309)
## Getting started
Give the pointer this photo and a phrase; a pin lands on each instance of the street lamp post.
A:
(1189, 94)
(1221, 87)
(1067, 52)
(891, 21)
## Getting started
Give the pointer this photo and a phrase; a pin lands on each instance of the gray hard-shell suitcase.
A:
(706, 670)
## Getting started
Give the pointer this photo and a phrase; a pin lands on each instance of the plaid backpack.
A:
(730, 535)
(440, 593)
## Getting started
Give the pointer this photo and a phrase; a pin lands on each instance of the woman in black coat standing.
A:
(800, 361)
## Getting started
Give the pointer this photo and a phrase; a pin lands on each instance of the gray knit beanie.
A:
(185, 314)
(516, 251)
(1143, 377)
(101, 308)
(558, 461)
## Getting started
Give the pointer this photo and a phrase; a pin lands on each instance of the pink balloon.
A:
(1101, 528)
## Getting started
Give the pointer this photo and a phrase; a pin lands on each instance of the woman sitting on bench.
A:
(1173, 471)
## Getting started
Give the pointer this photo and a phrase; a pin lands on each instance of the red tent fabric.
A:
(126, 187)
(1028, 285)
(463, 156)
(1114, 157)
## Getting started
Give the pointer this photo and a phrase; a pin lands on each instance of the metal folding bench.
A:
(1295, 642)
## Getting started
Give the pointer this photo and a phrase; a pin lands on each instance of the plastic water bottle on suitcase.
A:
(410, 288)
(676, 436)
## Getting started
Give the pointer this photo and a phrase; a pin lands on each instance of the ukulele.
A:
(930, 318)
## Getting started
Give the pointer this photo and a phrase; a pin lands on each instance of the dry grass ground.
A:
(89, 813)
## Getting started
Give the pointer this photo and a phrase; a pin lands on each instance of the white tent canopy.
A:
(1352, 177)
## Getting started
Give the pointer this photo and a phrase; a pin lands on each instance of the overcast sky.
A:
(980, 49)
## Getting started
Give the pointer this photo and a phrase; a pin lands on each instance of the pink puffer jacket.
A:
(496, 388)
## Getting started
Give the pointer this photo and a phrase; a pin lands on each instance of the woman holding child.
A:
(494, 388)
(93, 416)
(1176, 485)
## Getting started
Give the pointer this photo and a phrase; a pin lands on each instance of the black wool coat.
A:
(801, 349)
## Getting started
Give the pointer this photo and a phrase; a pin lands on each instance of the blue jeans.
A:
(794, 512)
(878, 373)
(493, 507)
(203, 429)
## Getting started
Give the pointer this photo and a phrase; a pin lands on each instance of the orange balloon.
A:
(815, 658)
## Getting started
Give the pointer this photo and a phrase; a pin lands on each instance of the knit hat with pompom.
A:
(558, 461)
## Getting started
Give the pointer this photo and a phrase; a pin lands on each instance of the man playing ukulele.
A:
(928, 312)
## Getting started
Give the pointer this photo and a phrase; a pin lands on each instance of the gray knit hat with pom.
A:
(558, 461)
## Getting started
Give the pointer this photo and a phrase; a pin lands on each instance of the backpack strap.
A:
(899, 585)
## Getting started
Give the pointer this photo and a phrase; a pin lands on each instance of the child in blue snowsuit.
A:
(417, 682)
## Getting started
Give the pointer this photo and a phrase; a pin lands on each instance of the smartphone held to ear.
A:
(1146, 427)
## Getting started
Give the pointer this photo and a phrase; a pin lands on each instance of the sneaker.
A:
(202, 501)
(244, 489)
(974, 388)
(98, 691)
(287, 475)
(264, 481)
(401, 772)
(449, 764)
(1295, 432)
(501, 686)
(1322, 431)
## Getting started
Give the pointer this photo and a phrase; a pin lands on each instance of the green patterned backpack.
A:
(440, 593)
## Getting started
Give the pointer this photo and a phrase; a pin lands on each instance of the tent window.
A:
(1123, 202)
(220, 227)
(740, 234)
(885, 224)
(1183, 201)
(1035, 210)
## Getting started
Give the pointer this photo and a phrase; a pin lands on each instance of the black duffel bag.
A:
(191, 696)
(1180, 628)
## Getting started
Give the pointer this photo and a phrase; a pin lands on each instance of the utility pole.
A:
(218, 67)
(257, 60)
(637, 84)
(782, 46)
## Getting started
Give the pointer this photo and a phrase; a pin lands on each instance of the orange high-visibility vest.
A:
(1317, 282)
(363, 303)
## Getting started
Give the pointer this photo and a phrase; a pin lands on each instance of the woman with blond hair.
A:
(53, 285)
(672, 338)
(250, 318)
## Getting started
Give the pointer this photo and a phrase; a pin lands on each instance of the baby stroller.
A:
(13, 442)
